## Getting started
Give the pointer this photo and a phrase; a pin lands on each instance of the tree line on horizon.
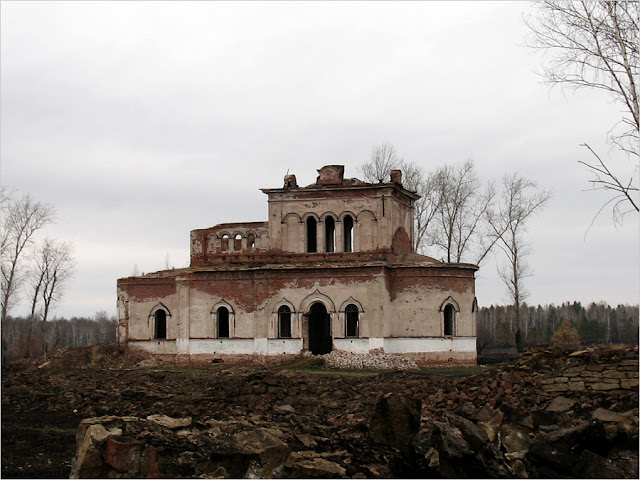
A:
(597, 324)
(23, 341)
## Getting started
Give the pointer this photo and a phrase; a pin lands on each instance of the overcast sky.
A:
(141, 121)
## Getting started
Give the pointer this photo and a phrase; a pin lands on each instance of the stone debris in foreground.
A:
(240, 422)
(367, 361)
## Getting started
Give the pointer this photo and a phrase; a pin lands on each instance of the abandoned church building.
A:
(333, 268)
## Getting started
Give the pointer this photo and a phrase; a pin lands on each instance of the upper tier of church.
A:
(335, 218)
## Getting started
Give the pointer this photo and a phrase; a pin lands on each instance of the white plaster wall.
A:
(428, 345)
(279, 346)
(141, 326)
(416, 312)
(223, 345)
(203, 324)
(263, 346)
(259, 346)
(159, 347)
(353, 345)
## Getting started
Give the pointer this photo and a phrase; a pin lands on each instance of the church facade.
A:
(332, 268)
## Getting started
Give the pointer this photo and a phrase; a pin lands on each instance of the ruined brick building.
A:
(333, 267)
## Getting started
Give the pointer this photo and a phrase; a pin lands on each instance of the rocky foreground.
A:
(547, 415)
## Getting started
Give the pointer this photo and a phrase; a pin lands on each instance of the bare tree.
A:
(461, 206)
(53, 267)
(508, 223)
(450, 213)
(603, 179)
(595, 45)
(384, 158)
(21, 219)
(425, 207)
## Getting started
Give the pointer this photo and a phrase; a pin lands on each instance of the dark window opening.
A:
(330, 234)
(237, 242)
(224, 243)
(352, 314)
(312, 226)
(251, 240)
(449, 315)
(223, 322)
(160, 324)
(284, 322)
(348, 233)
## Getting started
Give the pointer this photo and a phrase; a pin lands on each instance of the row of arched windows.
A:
(160, 323)
(284, 322)
(225, 242)
(285, 314)
(329, 234)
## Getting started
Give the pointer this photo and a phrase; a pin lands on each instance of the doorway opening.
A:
(320, 341)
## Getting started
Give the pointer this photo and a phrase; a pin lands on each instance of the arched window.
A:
(347, 222)
(237, 242)
(449, 316)
(330, 234)
(160, 324)
(251, 241)
(223, 322)
(351, 312)
(284, 322)
(312, 227)
(224, 243)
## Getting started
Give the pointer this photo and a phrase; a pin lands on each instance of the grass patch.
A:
(455, 372)
(46, 429)
(307, 364)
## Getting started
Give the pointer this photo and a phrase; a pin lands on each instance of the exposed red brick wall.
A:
(249, 289)
(453, 279)
(140, 288)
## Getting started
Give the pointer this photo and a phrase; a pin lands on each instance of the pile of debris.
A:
(504, 423)
(549, 415)
(367, 361)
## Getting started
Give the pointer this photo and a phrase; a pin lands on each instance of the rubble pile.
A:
(237, 421)
(509, 423)
(367, 361)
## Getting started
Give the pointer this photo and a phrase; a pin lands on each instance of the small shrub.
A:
(566, 338)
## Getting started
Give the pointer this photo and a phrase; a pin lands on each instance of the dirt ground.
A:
(42, 404)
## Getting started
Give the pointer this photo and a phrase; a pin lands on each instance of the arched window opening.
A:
(223, 322)
(330, 234)
(284, 322)
(251, 241)
(352, 314)
(312, 226)
(160, 324)
(237, 242)
(348, 233)
(224, 243)
(449, 316)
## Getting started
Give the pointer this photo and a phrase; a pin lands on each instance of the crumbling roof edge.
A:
(323, 188)
(234, 224)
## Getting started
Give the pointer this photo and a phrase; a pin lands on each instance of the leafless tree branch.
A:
(594, 44)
